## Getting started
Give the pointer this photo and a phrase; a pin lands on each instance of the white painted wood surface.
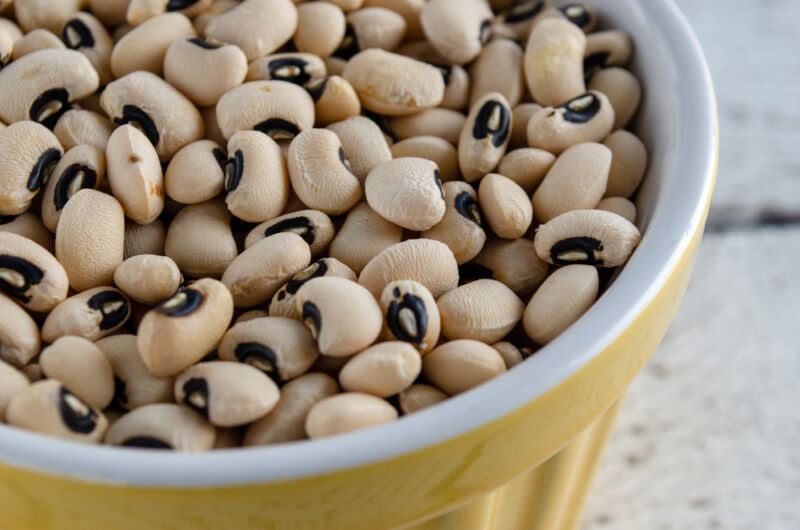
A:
(709, 437)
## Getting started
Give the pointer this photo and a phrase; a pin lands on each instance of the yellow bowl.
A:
(515, 453)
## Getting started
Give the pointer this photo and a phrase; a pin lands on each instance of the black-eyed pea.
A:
(498, 69)
(92, 314)
(526, 166)
(251, 315)
(623, 90)
(278, 109)
(576, 181)
(485, 136)
(364, 144)
(83, 166)
(283, 303)
(459, 365)
(418, 397)
(371, 27)
(19, 334)
(141, 10)
(334, 99)
(519, 18)
(47, 407)
(554, 61)
(292, 67)
(185, 328)
(29, 225)
(460, 228)
(258, 27)
(134, 385)
(320, 28)
(483, 310)
(143, 48)
(86, 34)
(147, 102)
(456, 86)
(382, 370)
(217, 7)
(442, 123)
(282, 348)
(346, 412)
(580, 14)
(604, 49)
(81, 367)
(409, 9)
(256, 180)
(620, 206)
(512, 353)
(12, 383)
(458, 30)
(392, 84)
(30, 274)
(628, 163)
(83, 127)
(320, 172)
(286, 422)
(426, 261)
(228, 394)
(347, 5)
(408, 192)
(38, 39)
(343, 317)
(258, 272)
(410, 314)
(162, 426)
(204, 70)
(315, 227)
(200, 240)
(30, 153)
(364, 235)
(47, 14)
(561, 300)
(144, 239)
(593, 237)
(514, 263)
(196, 173)
(110, 12)
(147, 278)
(505, 206)
(586, 118)
(438, 150)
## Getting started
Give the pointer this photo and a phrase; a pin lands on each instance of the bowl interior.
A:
(677, 121)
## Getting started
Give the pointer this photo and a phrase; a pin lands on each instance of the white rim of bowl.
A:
(663, 245)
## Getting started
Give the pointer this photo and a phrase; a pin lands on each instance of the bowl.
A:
(517, 452)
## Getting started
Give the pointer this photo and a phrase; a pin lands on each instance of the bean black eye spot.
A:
(259, 356)
(317, 88)
(113, 306)
(312, 319)
(470, 272)
(407, 319)
(493, 120)
(76, 415)
(49, 107)
(184, 303)
(220, 156)
(278, 129)
(437, 178)
(145, 442)
(523, 12)
(42, 169)
(349, 46)
(206, 44)
(467, 207)
(485, 31)
(290, 69)
(132, 115)
(581, 250)
(17, 276)
(344, 160)
(74, 178)
(77, 35)
(315, 270)
(577, 13)
(301, 225)
(593, 64)
(234, 168)
(581, 109)
(177, 5)
(196, 395)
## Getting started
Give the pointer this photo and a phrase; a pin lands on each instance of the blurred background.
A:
(709, 436)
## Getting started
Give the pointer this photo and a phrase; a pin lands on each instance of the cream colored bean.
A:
(628, 163)
(483, 310)
(30, 153)
(19, 336)
(620, 206)
(204, 70)
(315, 227)
(457, 30)
(587, 118)
(460, 228)
(561, 300)
(604, 49)
(443, 123)
(134, 174)
(83, 166)
(364, 235)
(162, 426)
(286, 422)
(38, 39)
(520, 117)
(82, 367)
(196, 172)
(577, 181)
(134, 385)
(347, 412)
(83, 127)
(554, 61)
(429, 262)
(320, 174)
(459, 365)
(92, 314)
(364, 144)
(409, 9)
(485, 136)
(410, 314)
(297, 68)
(144, 239)
(623, 90)
(499, 68)
(334, 99)
(371, 27)
(382, 370)
(505, 206)
(47, 407)
(110, 12)
(90, 238)
(31, 226)
(320, 28)
(200, 240)
(258, 27)
(12, 383)
(343, 316)
(278, 109)
(146, 45)
(47, 14)
(526, 166)
(514, 263)
(148, 279)
(593, 237)
(185, 328)
(394, 85)
(513, 354)
(418, 397)
(86, 34)
(438, 150)
(283, 303)
(168, 119)
(30, 274)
